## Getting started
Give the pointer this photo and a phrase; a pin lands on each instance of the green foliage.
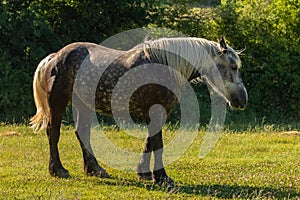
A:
(30, 30)
(269, 30)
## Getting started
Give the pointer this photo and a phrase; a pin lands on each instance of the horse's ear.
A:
(239, 52)
(223, 44)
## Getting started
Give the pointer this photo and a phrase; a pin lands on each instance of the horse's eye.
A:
(234, 67)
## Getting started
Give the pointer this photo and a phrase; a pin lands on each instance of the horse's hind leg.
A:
(53, 132)
(83, 126)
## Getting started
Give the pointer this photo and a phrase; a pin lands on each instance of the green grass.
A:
(260, 164)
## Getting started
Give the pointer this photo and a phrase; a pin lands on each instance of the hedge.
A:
(269, 30)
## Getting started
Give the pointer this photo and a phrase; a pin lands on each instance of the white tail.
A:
(42, 85)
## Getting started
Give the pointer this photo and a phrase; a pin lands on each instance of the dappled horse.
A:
(192, 58)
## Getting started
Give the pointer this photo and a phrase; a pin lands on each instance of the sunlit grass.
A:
(257, 163)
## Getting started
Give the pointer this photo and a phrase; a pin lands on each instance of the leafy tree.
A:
(29, 30)
(32, 29)
(270, 32)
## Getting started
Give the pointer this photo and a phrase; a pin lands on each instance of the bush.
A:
(270, 32)
(268, 29)
(30, 30)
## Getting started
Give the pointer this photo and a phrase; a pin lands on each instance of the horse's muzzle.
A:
(237, 95)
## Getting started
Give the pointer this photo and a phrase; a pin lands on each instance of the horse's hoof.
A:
(61, 173)
(143, 172)
(164, 181)
(144, 176)
(103, 174)
(99, 173)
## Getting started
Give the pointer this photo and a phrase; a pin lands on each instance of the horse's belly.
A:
(136, 104)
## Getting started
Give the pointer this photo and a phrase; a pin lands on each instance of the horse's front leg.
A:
(83, 126)
(159, 173)
(154, 143)
(143, 168)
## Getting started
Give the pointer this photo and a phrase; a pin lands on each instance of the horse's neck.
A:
(188, 58)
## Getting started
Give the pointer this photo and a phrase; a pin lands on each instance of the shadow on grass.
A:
(237, 191)
(217, 191)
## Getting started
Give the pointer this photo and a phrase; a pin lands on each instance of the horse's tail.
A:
(42, 85)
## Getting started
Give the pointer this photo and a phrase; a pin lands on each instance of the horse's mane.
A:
(183, 54)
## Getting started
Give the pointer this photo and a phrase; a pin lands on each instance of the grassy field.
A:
(256, 164)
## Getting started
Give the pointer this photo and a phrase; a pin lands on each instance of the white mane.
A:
(183, 54)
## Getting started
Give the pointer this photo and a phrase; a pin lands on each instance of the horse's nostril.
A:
(238, 102)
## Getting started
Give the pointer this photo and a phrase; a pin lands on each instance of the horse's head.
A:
(229, 64)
